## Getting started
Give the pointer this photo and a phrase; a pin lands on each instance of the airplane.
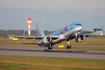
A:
(66, 33)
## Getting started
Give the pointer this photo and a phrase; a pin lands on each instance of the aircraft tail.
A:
(40, 31)
(3, 33)
(102, 29)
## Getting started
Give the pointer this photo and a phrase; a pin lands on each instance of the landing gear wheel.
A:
(50, 47)
(68, 46)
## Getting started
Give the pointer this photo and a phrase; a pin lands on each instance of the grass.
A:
(49, 63)
(73, 42)
(17, 42)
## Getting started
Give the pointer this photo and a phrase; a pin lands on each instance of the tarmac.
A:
(33, 50)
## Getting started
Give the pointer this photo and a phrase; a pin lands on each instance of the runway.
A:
(25, 50)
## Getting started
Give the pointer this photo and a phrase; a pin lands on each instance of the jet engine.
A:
(47, 39)
(79, 38)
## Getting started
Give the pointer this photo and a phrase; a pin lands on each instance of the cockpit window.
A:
(77, 24)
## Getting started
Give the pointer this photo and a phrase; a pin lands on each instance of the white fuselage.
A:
(67, 34)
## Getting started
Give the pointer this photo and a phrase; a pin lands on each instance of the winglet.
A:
(40, 31)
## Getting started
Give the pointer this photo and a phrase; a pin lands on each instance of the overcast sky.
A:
(56, 13)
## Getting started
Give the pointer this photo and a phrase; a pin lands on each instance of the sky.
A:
(55, 13)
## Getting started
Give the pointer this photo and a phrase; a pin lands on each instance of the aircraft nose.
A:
(80, 28)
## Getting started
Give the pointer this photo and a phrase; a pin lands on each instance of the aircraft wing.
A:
(33, 37)
(27, 37)
(31, 43)
(86, 35)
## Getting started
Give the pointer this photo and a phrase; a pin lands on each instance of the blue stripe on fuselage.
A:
(66, 29)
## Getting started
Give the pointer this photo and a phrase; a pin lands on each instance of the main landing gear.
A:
(68, 46)
(50, 47)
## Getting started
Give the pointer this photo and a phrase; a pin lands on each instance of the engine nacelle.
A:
(47, 39)
(79, 38)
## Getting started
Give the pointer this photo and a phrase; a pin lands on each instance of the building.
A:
(97, 30)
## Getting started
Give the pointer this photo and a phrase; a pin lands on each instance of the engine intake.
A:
(47, 39)
(79, 38)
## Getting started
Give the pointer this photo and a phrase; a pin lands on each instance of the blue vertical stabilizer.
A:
(40, 31)
(3, 33)
(102, 29)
